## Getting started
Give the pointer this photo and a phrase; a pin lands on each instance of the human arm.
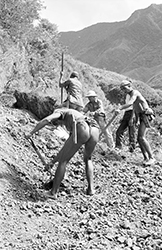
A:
(86, 108)
(94, 108)
(145, 108)
(43, 123)
(60, 79)
(129, 102)
(100, 108)
(63, 84)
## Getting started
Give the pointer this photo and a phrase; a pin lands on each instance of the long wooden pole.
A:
(62, 68)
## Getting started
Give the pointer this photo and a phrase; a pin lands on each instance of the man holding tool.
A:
(74, 91)
(81, 132)
(127, 122)
(143, 114)
(96, 109)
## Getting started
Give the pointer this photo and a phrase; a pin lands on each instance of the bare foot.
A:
(49, 195)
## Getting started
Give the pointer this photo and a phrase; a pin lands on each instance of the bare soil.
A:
(125, 212)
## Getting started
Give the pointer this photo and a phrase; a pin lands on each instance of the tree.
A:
(43, 49)
(17, 16)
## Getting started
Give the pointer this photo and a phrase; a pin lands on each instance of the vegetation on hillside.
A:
(17, 17)
(31, 58)
(30, 51)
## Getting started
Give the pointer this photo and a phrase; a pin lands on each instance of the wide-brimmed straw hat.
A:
(91, 93)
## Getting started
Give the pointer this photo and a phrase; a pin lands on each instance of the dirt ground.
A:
(125, 212)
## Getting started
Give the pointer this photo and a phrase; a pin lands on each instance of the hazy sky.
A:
(74, 15)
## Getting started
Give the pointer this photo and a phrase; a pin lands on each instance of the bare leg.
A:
(108, 138)
(67, 152)
(144, 144)
(89, 148)
(59, 175)
(140, 138)
(107, 132)
(89, 176)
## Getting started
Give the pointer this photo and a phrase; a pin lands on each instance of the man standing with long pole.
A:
(74, 90)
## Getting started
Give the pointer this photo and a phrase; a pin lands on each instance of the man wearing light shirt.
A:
(96, 109)
(73, 87)
(126, 123)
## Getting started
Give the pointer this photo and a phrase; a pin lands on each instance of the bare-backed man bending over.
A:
(82, 132)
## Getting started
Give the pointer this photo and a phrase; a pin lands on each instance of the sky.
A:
(75, 15)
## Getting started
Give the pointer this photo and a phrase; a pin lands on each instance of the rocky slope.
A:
(125, 213)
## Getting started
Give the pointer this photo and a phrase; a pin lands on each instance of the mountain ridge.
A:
(121, 47)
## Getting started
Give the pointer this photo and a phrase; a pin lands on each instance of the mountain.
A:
(132, 47)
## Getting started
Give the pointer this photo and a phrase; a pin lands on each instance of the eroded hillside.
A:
(125, 212)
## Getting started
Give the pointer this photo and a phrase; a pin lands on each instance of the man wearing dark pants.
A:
(127, 122)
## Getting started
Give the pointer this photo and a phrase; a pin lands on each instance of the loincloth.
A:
(146, 118)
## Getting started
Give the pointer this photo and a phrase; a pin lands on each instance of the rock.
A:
(125, 224)
(92, 216)
(41, 106)
(129, 242)
(121, 239)
(135, 248)
(7, 100)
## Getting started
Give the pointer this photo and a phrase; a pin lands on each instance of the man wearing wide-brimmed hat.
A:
(95, 107)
